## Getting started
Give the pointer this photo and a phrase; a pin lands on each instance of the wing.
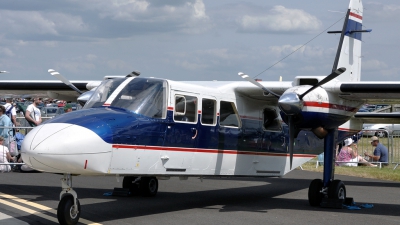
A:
(44, 88)
(369, 92)
(369, 117)
(254, 92)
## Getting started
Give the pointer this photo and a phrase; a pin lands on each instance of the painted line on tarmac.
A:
(30, 211)
(38, 206)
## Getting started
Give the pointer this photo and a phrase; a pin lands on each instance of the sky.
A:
(190, 39)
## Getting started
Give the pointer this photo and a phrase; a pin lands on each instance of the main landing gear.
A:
(335, 191)
(69, 209)
(328, 188)
(145, 186)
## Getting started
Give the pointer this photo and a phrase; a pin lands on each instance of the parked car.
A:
(363, 110)
(380, 129)
(49, 111)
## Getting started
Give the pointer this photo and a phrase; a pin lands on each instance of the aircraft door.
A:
(272, 149)
(181, 134)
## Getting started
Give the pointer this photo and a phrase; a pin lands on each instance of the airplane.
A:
(45, 88)
(146, 129)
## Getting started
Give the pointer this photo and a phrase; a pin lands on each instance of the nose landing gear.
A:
(69, 208)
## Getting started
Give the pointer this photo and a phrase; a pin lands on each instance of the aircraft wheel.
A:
(337, 190)
(314, 192)
(127, 183)
(67, 213)
(149, 186)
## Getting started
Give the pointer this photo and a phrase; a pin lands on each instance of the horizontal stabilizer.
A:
(350, 32)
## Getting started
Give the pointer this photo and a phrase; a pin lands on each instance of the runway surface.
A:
(32, 198)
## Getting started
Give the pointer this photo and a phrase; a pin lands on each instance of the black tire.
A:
(314, 192)
(65, 215)
(381, 134)
(127, 182)
(337, 190)
(148, 186)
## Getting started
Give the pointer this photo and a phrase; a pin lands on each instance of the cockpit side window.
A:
(185, 108)
(228, 115)
(103, 91)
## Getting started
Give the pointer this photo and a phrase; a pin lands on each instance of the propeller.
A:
(246, 77)
(330, 77)
(292, 104)
(64, 80)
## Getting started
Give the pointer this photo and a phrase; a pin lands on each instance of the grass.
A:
(385, 173)
(364, 145)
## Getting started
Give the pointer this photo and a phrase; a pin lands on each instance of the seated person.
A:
(349, 157)
(5, 156)
(380, 153)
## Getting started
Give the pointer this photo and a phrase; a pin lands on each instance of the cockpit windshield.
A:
(145, 96)
(103, 91)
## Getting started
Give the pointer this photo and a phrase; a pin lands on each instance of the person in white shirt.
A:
(32, 113)
(5, 157)
(13, 113)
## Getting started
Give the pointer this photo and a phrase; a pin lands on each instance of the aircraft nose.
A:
(65, 148)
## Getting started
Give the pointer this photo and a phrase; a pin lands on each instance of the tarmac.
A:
(32, 198)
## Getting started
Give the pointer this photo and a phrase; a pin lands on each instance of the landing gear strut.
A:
(69, 208)
(146, 186)
(328, 187)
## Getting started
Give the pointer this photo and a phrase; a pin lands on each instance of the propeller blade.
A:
(64, 80)
(246, 77)
(291, 138)
(330, 77)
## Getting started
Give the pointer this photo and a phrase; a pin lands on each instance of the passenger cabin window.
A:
(271, 120)
(228, 114)
(185, 108)
(208, 111)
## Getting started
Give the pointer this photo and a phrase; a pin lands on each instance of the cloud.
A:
(118, 64)
(33, 25)
(379, 11)
(279, 20)
(190, 65)
(154, 16)
(374, 65)
(221, 53)
(92, 20)
(75, 67)
(300, 52)
(6, 52)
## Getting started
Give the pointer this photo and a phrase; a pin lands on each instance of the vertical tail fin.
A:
(348, 54)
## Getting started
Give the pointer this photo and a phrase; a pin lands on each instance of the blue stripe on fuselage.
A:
(352, 26)
(118, 126)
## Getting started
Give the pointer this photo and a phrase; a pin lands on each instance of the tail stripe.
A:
(355, 15)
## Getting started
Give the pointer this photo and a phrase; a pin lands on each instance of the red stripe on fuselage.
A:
(348, 130)
(330, 106)
(356, 15)
(203, 150)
